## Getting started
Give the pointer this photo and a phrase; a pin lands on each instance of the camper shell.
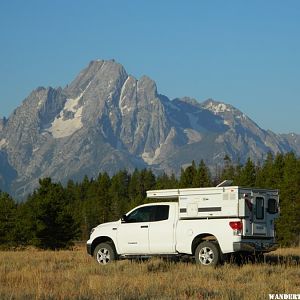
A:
(258, 208)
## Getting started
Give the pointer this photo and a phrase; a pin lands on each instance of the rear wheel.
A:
(208, 254)
(105, 253)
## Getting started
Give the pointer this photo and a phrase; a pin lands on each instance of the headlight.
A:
(93, 229)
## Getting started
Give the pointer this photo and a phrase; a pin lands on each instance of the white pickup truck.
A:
(205, 223)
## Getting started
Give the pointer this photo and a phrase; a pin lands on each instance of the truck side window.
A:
(151, 213)
(162, 212)
(272, 206)
(142, 214)
(259, 208)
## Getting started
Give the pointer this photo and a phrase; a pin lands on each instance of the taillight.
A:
(237, 227)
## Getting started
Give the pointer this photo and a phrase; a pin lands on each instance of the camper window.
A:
(259, 208)
(272, 206)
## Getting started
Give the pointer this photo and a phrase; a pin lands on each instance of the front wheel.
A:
(207, 254)
(104, 253)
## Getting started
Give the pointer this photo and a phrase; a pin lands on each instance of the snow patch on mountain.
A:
(123, 88)
(62, 127)
(3, 143)
(217, 108)
(122, 103)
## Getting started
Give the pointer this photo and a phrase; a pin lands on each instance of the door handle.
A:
(144, 226)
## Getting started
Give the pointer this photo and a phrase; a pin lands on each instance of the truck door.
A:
(259, 225)
(133, 232)
(162, 231)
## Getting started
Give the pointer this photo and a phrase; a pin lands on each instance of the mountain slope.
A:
(106, 120)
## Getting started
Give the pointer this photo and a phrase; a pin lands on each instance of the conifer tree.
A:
(187, 176)
(164, 181)
(288, 224)
(52, 224)
(7, 219)
(202, 177)
(104, 183)
(265, 175)
(119, 194)
(228, 171)
(247, 175)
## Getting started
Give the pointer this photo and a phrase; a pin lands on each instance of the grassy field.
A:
(33, 274)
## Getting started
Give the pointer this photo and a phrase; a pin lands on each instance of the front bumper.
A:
(254, 246)
(89, 249)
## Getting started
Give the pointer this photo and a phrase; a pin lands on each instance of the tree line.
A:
(54, 216)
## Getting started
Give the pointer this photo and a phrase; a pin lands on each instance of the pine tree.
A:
(119, 194)
(187, 176)
(288, 224)
(228, 172)
(265, 176)
(104, 184)
(166, 182)
(246, 176)
(202, 177)
(7, 219)
(52, 224)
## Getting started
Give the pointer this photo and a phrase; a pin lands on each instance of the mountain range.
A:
(107, 120)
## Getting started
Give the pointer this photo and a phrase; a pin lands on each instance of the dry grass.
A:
(33, 274)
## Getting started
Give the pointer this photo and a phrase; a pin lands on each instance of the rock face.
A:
(107, 120)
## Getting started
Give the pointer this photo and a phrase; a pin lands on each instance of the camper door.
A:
(259, 225)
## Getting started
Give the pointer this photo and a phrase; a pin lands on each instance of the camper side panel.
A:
(219, 203)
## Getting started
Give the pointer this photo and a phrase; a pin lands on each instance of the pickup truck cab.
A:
(204, 223)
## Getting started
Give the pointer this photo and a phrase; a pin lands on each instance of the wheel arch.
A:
(201, 238)
(102, 239)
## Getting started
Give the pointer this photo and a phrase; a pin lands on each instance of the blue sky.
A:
(245, 53)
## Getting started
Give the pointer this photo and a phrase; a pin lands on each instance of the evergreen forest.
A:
(54, 216)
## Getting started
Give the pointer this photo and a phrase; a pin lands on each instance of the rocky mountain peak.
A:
(2, 123)
(106, 120)
(188, 100)
(98, 74)
(218, 107)
(230, 114)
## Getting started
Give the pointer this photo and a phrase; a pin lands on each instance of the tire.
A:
(208, 254)
(105, 253)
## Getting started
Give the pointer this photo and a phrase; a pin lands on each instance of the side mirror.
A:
(124, 219)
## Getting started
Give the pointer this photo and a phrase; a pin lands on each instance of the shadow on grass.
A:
(270, 259)
(239, 260)
(290, 260)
